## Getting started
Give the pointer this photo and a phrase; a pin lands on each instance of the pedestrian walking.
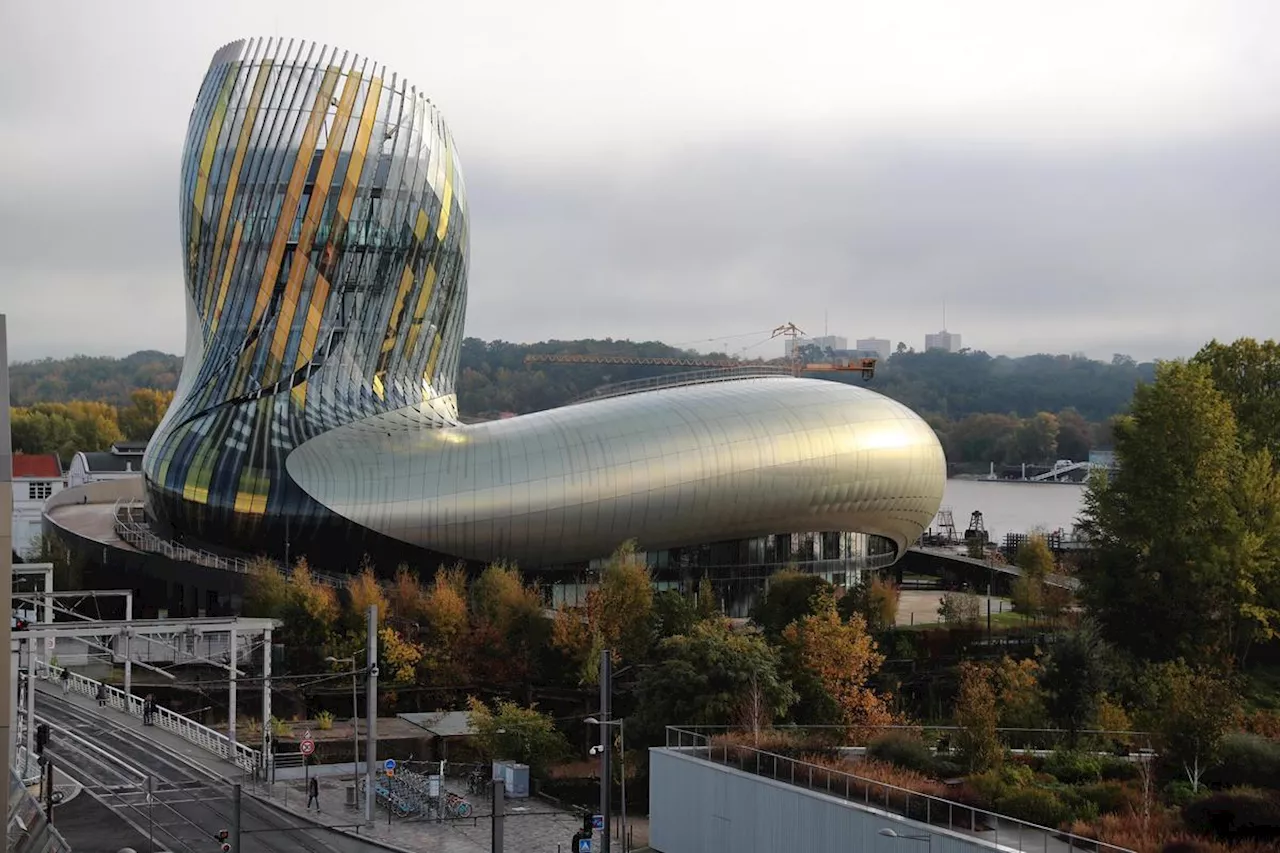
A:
(66, 681)
(102, 695)
(313, 794)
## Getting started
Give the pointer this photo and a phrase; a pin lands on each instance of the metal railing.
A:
(1004, 832)
(140, 536)
(137, 532)
(677, 380)
(938, 738)
(244, 757)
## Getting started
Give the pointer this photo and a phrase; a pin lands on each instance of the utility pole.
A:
(231, 699)
(266, 706)
(8, 686)
(606, 750)
(371, 713)
(31, 705)
(499, 812)
(235, 818)
(128, 655)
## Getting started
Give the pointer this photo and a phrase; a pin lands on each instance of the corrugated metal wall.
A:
(699, 807)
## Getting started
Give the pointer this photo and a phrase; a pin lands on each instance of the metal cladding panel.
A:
(675, 467)
(696, 806)
(325, 246)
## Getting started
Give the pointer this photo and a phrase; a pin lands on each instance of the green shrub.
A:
(1246, 760)
(1073, 767)
(1035, 805)
(1119, 770)
(1179, 792)
(324, 721)
(1111, 797)
(989, 789)
(902, 750)
(1239, 814)
(945, 768)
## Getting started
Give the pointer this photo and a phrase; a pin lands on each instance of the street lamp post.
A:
(889, 833)
(622, 765)
(355, 726)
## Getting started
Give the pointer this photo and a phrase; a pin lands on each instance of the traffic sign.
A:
(306, 747)
(584, 845)
(389, 764)
(597, 821)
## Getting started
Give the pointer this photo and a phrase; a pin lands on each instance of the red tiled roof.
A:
(36, 465)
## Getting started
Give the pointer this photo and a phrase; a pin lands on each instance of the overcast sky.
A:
(1086, 176)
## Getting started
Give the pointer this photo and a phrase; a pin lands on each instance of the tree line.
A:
(78, 425)
(984, 408)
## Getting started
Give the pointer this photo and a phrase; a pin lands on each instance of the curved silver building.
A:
(325, 238)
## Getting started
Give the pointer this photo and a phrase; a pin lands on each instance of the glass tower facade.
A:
(324, 231)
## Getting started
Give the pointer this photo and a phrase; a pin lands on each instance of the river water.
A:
(1013, 507)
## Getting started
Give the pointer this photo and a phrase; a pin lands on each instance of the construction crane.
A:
(865, 366)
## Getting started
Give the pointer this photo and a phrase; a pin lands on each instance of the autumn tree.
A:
(1190, 710)
(266, 593)
(712, 676)
(65, 428)
(1036, 561)
(977, 718)
(310, 616)
(1034, 557)
(1037, 438)
(510, 731)
(1186, 532)
(147, 407)
(398, 655)
(618, 615)
(790, 596)
(363, 592)
(1018, 695)
(508, 630)
(1075, 435)
(875, 601)
(708, 606)
(834, 661)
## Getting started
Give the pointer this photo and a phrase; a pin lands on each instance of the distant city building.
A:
(36, 478)
(880, 347)
(823, 342)
(122, 461)
(944, 340)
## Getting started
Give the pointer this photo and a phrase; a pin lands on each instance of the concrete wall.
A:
(696, 806)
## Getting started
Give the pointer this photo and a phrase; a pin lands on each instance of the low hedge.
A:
(903, 750)
(1238, 814)
(1246, 760)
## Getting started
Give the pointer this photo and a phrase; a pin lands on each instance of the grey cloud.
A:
(1147, 250)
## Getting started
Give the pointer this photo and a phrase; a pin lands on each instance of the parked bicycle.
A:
(455, 806)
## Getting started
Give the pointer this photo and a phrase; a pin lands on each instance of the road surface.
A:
(188, 804)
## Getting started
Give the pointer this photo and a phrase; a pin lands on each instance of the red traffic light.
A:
(223, 835)
(226, 848)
